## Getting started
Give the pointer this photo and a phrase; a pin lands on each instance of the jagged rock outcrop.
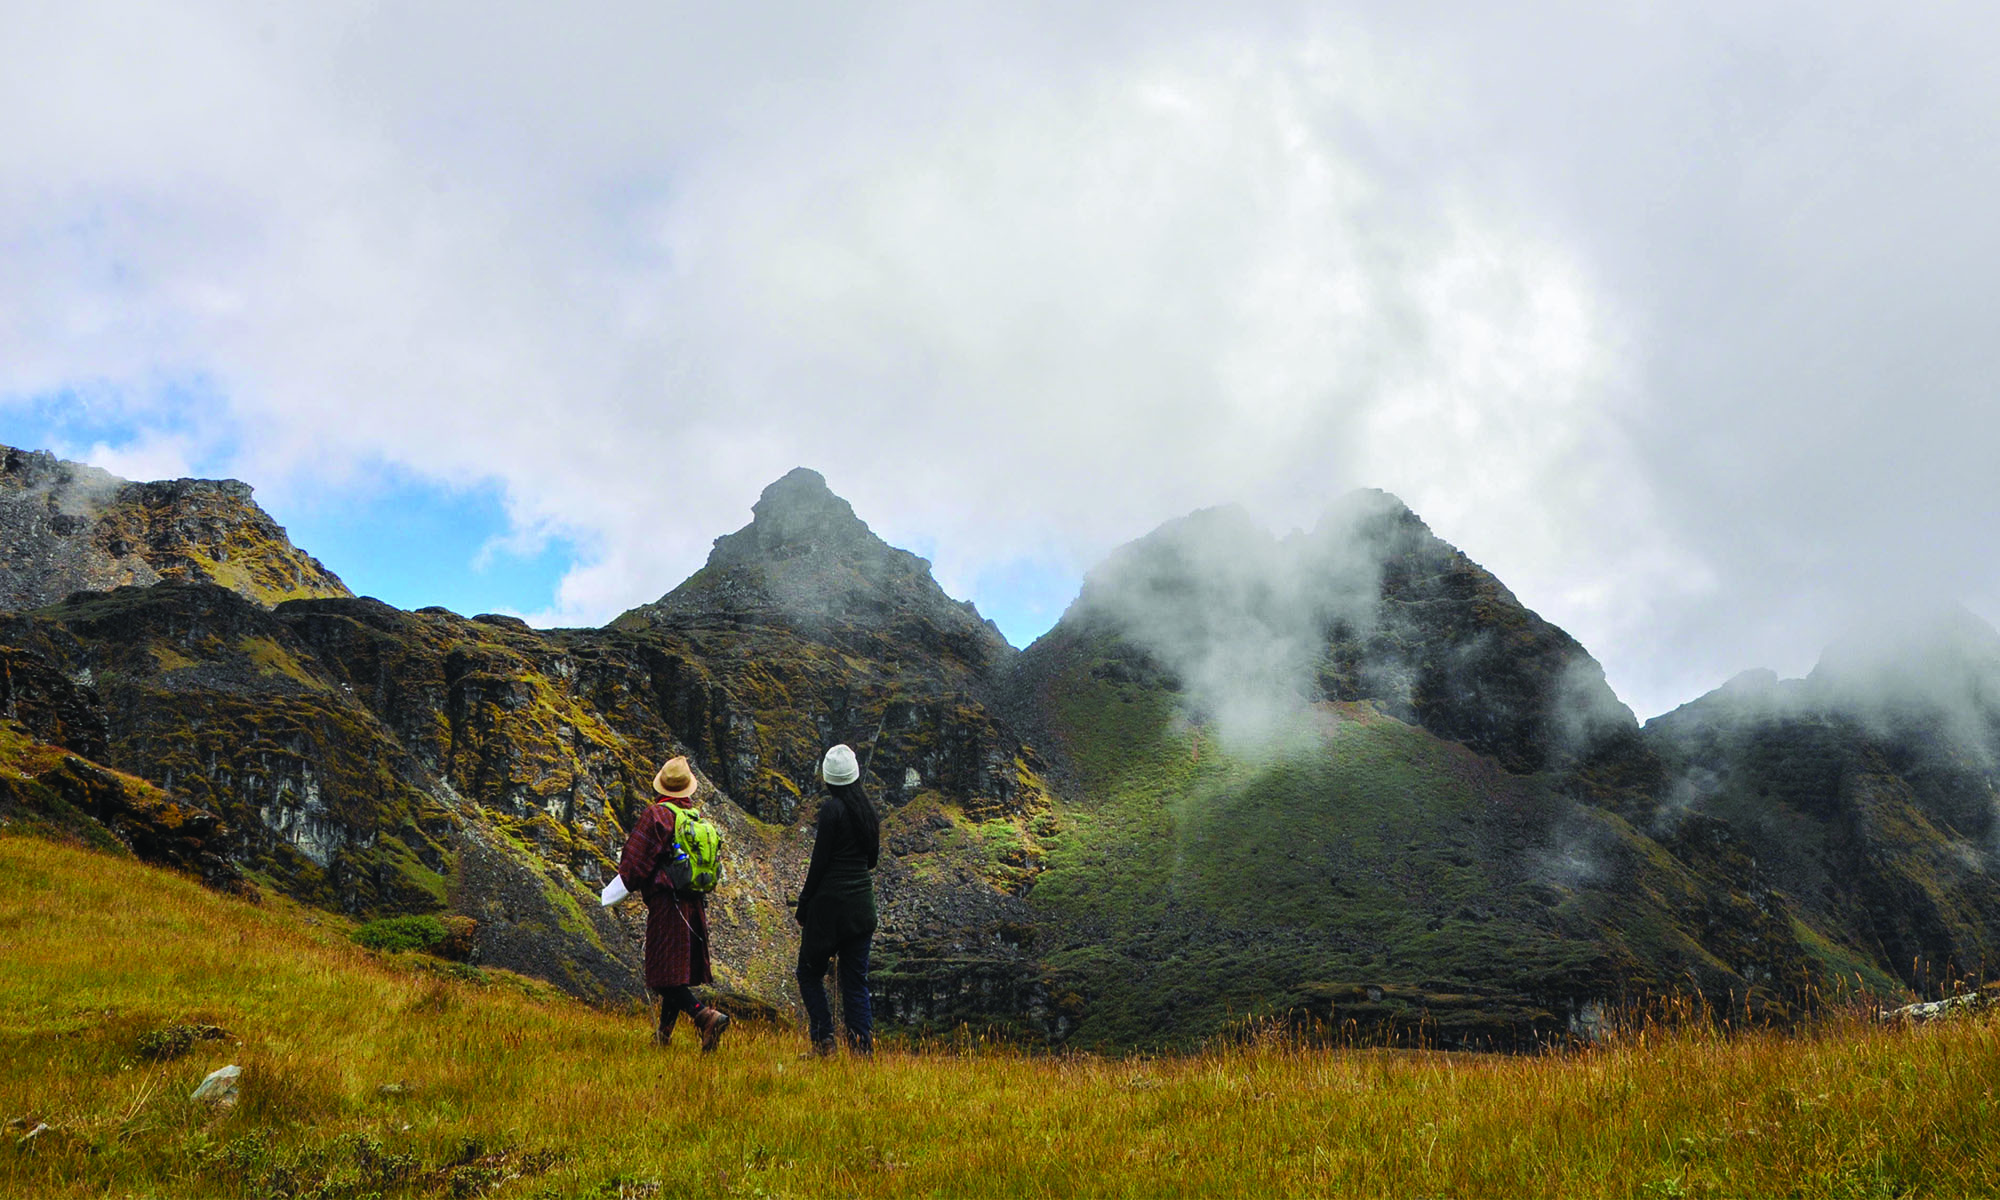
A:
(1868, 794)
(66, 527)
(815, 631)
(806, 563)
(53, 739)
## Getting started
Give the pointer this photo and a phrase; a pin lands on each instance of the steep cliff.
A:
(1868, 793)
(227, 708)
(68, 528)
(52, 747)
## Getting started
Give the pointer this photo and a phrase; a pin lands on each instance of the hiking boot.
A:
(711, 1022)
(823, 1048)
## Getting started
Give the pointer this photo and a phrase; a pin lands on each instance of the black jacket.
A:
(838, 899)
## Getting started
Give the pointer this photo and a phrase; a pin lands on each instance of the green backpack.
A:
(696, 859)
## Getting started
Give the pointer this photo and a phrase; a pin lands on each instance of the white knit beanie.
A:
(839, 766)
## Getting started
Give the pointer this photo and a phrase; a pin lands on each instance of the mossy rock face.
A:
(50, 788)
(1874, 821)
(50, 706)
(76, 528)
(537, 919)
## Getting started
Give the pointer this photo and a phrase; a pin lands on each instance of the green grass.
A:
(372, 1076)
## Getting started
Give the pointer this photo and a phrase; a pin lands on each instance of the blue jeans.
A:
(855, 1007)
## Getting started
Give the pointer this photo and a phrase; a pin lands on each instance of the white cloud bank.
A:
(1027, 282)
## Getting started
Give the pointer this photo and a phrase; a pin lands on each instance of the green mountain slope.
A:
(1348, 777)
(1363, 874)
(1341, 778)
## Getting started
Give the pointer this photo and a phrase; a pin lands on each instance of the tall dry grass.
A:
(503, 1088)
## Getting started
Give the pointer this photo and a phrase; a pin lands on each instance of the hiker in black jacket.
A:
(837, 905)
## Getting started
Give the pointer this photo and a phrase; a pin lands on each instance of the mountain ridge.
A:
(1457, 830)
(71, 527)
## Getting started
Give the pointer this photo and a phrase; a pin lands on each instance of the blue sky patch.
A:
(187, 412)
(385, 531)
(1025, 596)
(408, 541)
(411, 543)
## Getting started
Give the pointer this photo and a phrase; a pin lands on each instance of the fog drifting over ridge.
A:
(1673, 319)
(1255, 631)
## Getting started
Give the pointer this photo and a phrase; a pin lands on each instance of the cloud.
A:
(1668, 318)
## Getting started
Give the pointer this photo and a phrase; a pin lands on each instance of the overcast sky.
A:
(1678, 317)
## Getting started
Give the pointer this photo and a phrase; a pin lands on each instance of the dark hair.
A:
(861, 816)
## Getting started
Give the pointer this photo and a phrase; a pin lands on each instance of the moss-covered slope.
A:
(1356, 871)
(67, 527)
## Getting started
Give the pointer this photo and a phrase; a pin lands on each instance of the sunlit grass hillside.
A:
(368, 1076)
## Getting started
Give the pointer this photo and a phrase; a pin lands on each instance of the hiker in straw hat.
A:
(676, 921)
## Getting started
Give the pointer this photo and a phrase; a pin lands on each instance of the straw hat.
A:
(676, 780)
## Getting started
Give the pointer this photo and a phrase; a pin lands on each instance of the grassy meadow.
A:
(372, 1075)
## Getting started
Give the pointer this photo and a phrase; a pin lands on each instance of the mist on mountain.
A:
(1447, 814)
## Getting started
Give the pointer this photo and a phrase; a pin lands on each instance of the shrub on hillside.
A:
(458, 931)
(172, 1041)
(396, 934)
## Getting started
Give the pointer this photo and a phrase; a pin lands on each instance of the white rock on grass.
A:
(1952, 1006)
(219, 1088)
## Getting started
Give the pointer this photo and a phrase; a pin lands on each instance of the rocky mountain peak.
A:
(1370, 511)
(38, 470)
(1369, 605)
(807, 563)
(67, 527)
(796, 516)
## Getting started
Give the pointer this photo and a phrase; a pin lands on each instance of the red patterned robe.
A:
(676, 929)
